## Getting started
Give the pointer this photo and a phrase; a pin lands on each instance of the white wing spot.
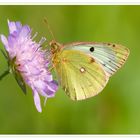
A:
(82, 70)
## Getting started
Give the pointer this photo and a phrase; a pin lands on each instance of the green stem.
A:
(4, 74)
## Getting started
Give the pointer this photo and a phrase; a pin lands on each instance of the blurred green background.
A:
(114, 111)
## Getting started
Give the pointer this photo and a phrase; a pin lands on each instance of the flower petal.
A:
(12, 27)
(48, 78)
(51, 88)
(5, 42)
(54, 85)
(12, 40)
(18, 25)
(24, 32)
(37, 101)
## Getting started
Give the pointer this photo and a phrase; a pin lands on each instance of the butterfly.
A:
(84, 68)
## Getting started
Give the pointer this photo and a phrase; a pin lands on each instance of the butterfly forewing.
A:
(80, 75)
(110, 56)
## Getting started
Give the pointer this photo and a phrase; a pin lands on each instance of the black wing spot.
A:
(92, 49)
(114, 45)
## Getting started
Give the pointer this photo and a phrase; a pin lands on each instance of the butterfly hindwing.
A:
(110, 56)
(80, 75)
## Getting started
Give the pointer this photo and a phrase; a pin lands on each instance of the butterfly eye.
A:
(54, 43)
(91, 49)
(114, 45)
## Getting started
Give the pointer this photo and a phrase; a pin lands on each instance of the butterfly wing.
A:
(79, 75)
(110, 56)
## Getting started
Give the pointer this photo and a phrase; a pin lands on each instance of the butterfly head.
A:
(55, 46)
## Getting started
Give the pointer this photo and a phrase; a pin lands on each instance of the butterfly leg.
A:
(52, 67)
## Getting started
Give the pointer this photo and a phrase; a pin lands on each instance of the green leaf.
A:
(4, 54)
(20, 80)
(17, 75)
(4, 74)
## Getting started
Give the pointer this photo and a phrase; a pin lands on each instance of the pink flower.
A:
(30, 61)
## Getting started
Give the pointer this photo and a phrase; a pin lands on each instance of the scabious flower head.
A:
(30, 61)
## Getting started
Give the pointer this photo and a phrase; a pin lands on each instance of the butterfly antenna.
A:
(49, 29)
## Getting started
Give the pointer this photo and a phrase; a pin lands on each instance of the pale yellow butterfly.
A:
(84, 68)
